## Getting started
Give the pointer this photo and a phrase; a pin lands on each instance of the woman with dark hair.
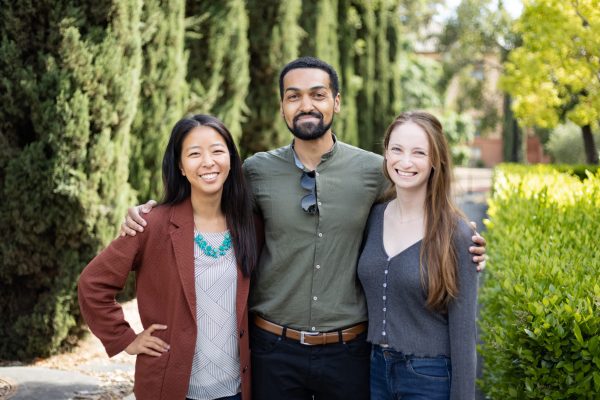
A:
(192, 265)
(417, 273)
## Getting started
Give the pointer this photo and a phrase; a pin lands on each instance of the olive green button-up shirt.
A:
(306, 276)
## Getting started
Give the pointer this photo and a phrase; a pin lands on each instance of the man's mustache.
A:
(312, 114)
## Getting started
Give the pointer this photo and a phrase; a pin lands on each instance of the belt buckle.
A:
(305, 333)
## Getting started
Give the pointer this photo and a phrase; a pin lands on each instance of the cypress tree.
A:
(322, 21)
(163, 92)
(349, 24)
(366, 68)
(70, 81)
(382, 72)
(387, 71)
(375, 31)
(326, 32)
(218, 68)
(308, 23)
(274, 41)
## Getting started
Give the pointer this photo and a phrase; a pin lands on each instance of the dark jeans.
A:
(395, 375)
(285, 369)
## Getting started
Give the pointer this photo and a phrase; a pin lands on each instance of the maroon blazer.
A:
(163, 258)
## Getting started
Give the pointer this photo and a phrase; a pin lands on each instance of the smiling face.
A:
(205, 161)
(408, 162)
(308, 104)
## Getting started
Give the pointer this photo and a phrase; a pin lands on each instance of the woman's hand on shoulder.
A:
(145, 343)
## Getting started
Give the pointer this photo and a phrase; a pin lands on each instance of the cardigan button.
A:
(242, 333)
(245, 369)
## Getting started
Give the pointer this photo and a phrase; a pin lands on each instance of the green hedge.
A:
(579, 170)
(540, 317)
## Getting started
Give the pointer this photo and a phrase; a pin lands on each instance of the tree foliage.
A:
(218, 67)
(555, 74)
(565, 146)
(473, 42)
(274, 41)
(70, 79)
(164, 92)
(377, 55)
(419, 82)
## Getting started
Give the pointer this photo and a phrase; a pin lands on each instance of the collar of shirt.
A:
(324, 157)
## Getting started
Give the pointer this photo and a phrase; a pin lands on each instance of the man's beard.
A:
(309, 130)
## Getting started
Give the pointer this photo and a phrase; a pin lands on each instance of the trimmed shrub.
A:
(68, 89)
(540, 318)
(579, 170)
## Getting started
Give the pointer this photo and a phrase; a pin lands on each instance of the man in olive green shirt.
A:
(313, 196)
(306, 277)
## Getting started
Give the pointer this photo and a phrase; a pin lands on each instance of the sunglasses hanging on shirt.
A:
(309, 202)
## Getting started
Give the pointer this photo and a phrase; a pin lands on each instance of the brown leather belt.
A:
(312, 338)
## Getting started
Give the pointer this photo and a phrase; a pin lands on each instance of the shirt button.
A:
(384, 297)
(319, 203)
(313, 328)
(385, 272)
(316, 173)
(385, 285)
(315, 298)
(320, 234)
(383, 333)
(384, 321)
(317, 266)
(384, 309)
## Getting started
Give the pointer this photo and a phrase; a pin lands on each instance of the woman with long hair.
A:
(417, 273)
(192, 266)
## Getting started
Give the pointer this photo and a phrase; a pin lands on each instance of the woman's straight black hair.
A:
(235, 201)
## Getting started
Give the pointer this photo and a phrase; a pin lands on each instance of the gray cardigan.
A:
(406, 324)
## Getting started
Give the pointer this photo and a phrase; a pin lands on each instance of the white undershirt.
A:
(216, 365)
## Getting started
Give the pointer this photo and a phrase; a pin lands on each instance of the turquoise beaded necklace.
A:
(210, 251)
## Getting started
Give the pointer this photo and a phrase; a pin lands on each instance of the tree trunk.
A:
(591, 154)
(511, 135)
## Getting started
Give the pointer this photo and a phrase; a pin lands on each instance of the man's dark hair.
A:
(311, 62)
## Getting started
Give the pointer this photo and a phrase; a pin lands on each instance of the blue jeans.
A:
(395, 375)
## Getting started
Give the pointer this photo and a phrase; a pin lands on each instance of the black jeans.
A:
(285, 369)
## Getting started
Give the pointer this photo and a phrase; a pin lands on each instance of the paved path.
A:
(23, 383)
(85, 373)
(89, 374)
(471, 190)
